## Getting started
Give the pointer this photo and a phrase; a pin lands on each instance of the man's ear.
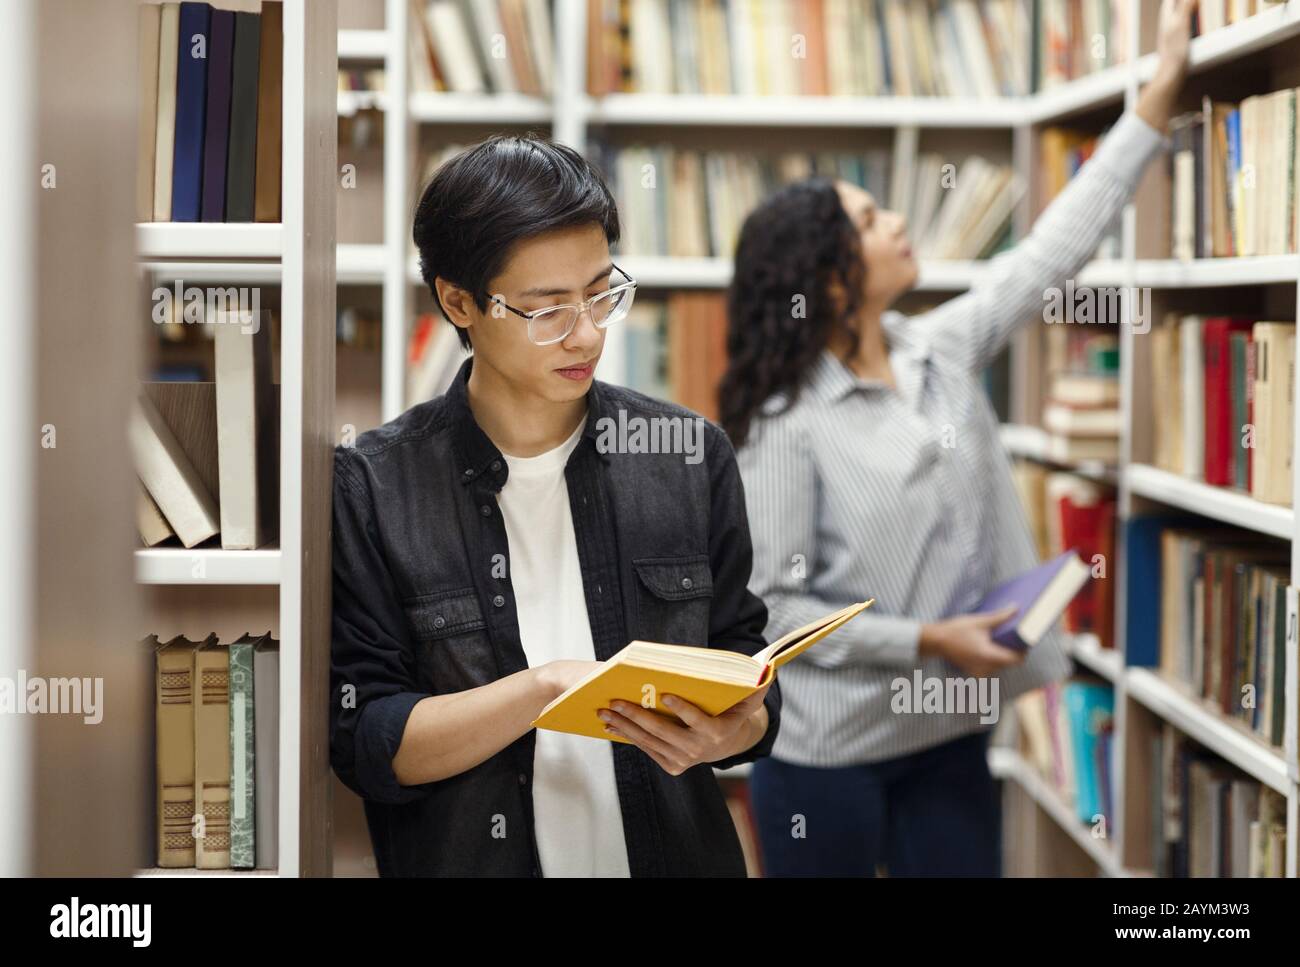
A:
(457, 302)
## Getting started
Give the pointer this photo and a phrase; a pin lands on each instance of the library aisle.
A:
(195, 191)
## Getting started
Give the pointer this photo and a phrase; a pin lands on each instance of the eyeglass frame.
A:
(583, 306)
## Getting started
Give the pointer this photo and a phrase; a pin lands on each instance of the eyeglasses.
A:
(554, 323)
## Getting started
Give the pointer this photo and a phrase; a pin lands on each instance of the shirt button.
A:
(496, 465)
(523, 779)
(485, 510)
(469, 473)
(439, 621)
(598, 589)
(687, 583)
(499, 600)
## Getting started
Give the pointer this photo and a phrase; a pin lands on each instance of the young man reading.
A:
(490, 545)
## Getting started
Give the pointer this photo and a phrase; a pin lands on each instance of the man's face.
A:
(562, 267)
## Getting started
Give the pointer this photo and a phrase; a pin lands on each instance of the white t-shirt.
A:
(579, 825)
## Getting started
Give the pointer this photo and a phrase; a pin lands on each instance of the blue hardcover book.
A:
(1040, 596)
(191, 111)
(1089, 708)
(1142, 581)
(1232, 125)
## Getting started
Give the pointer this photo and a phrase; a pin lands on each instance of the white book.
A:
(246, 432)
(451, 43)
(537, 18)
(492, 40)
(169, 476)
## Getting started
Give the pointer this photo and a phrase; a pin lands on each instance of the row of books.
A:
(1213, 14)
(217, 725)
(1223, 395)
(952, 48)
(1062, 152)
(677, 349)
(206, 453)
(1067, 512)
(682, 202)
(1210, 819)
(1233, 179)
(1068, 732)
(1220, 628)
(1074, 38)
(210, 109)
(482, 46)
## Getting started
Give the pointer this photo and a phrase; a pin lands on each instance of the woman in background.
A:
(872, 466)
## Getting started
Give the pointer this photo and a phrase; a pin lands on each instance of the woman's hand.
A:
(1173, 41)
(967, 643)
(697, 738)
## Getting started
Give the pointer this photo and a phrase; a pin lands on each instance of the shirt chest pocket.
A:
(673, 599)
(452, 649)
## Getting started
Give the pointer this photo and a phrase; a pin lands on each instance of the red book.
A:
(1220, 435)
(1089, 530)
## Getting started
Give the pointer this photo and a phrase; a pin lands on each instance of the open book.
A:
(713, 679)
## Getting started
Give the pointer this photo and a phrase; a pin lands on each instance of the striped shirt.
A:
(906, 495)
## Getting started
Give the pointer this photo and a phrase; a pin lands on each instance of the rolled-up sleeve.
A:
(372, 676)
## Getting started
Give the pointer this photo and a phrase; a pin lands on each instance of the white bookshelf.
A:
(570, 113)
(297, 255)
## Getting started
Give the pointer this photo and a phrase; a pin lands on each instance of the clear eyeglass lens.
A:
(553, 325)
(610, 309)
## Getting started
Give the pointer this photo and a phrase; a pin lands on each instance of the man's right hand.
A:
(967, 643)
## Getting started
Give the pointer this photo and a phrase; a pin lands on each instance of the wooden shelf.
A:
(1236, 41)
(363, 44)
(1217, 503)
(1202, 722)
(179, 565)
(1087, 651)
(1010, 765)
(734, 110)
(360, 264)
(350, 102)
(437, 107)
(209, 240)
(1096, 90)
(1204, 273)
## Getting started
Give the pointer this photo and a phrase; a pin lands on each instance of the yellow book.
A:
(712, 679)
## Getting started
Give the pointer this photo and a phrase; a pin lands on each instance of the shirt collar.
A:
(477, 456)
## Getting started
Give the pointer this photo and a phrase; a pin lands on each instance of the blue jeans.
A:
(934, 812)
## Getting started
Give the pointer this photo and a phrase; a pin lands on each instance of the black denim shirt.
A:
(424, 606)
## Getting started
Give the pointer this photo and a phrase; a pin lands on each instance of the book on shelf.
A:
(1210, 819)
(1040, 596)
(956, 210)
(1222, 622)
(433, 357)
(842, 48)
(712, 679)
(1069, 514)
(217, 732)
(1062, 152)
(210, 93)
(482, 46)
(1075, 38)
(247, 433)
(170, 477)
(1223, 401)
(1213, 15)
(1067, 731)
(1233, 178)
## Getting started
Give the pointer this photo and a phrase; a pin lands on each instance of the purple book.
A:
(220, 54)
(1040, 596)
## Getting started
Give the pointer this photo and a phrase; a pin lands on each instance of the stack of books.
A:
(1082, 415)
(217, 753)
(1223, 395)
(206, 453)
(871, 48)
(482, 46)
(1233, 179)
(210, 93)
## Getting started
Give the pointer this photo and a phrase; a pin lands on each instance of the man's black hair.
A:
(501, 191)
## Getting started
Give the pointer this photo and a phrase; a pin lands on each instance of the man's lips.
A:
(579, 372)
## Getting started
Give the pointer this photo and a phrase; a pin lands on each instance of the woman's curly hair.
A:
(796, 251)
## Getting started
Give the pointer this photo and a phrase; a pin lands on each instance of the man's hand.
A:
(698, 737)
(966, 642)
